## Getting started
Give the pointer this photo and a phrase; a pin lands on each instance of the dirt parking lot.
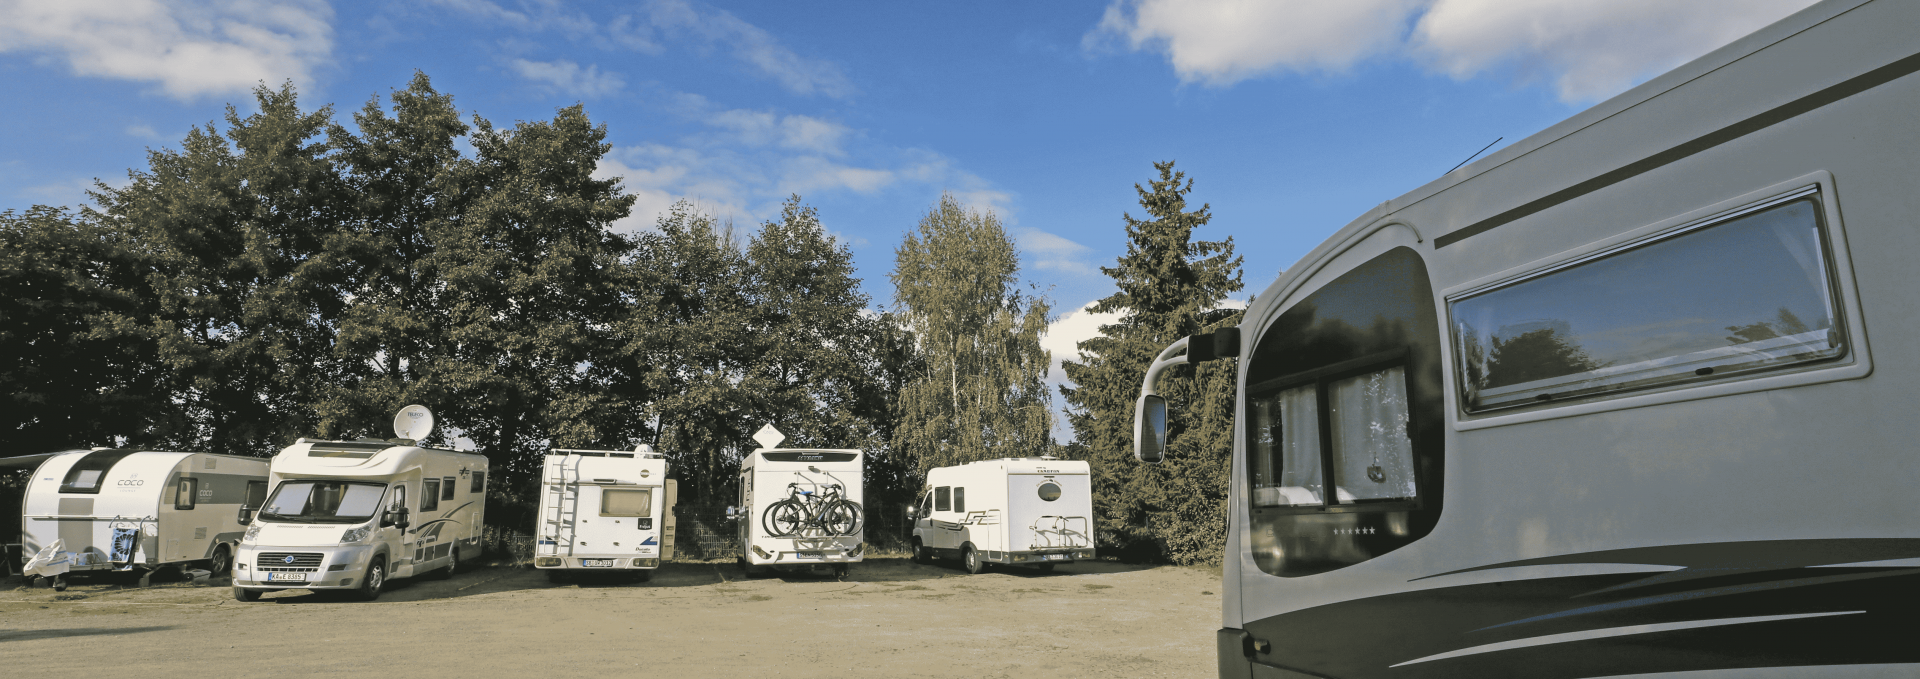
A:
(888, 618)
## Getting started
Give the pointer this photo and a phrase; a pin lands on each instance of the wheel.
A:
(244, 594)
(920, 555)
(971, 558)
(783, 518)
(842, 517)
(222, 562)
(60, 583)
(840, 570)
(453, 564)
(376, 577)
(1044, 568)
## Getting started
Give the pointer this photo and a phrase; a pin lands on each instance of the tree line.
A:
(286, 275)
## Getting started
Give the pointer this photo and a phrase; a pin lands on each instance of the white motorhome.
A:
(349, 515)
(1628, 397)
(800, 509)
(118, 510)
(604, 510)
(1021, 511)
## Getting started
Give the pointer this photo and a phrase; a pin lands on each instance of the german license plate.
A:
(1054, 557)
(286, 577)
(597, 563)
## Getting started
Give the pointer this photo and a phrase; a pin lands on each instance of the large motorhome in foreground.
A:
(604, 511)
(1631, 396)
(1035, 512)
(121, 510)
(348, 515)
(800, 510)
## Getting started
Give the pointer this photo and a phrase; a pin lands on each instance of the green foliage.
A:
(981, 393)
(1170, 286)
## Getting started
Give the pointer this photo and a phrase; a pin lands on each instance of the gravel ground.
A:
(888, 618)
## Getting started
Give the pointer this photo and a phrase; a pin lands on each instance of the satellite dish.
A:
(413, 423)
(768, 437)
(643, 449)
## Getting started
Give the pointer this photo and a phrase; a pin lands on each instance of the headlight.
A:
(253, 531)
(354, 535)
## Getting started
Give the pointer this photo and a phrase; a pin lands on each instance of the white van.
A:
(121, 510)
(604, 510)
(800, 509)
(348, 515)
(1022, 511)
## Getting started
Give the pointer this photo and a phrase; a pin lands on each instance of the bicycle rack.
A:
(1061, 529)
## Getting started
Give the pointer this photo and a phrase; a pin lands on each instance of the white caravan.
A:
(1632, 396)
(1022, 511)
(119, 510)
(604, 510)
(800, 509)
(348, 515)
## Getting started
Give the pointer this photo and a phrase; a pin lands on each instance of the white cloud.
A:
(191, 49)
(567, 77)
(1221, 42)
(1591, 49)
(1053, 253)
(711, 27)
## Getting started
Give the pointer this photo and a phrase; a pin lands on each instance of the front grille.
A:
(303, 562)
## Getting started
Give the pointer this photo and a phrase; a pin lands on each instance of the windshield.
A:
(323, 502)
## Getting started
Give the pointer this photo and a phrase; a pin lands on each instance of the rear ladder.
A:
(561, 496)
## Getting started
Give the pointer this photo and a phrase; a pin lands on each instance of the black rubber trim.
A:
(1852, 86)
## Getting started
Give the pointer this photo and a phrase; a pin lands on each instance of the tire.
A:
(375, 578)
(841, 518)
(222, 562)
(59, 583)
(244, 594)
(783, 518)
(970, 558)
(920, 552)
(453, 564)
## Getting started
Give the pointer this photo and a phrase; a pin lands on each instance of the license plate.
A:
(597, 563)
(1054, 557)
(286, 577)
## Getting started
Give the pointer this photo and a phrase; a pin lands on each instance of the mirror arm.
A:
(1171, 356)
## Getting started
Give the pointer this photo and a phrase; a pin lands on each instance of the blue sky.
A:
(1293, 116)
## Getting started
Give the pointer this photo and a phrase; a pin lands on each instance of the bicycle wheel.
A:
(783, 518)
(842, 517)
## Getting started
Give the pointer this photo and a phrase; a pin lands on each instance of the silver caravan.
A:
(800, 510)
(1628, 397)
(604, 510)
(119, 510)
(349, 515)
(1035, 512)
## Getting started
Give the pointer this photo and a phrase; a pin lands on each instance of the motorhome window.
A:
(184, 492)
(87, 474)
(429, 495)
(447, 487)
(303, 501)
(399, 496)
(256, 494)
(1345, 420)
(626, 502)
(1049, 491)
(959, 499)
(1746, 293)
(479, 482)
(943, 499)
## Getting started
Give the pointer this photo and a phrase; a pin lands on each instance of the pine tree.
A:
(982, 394)
(1170, 286)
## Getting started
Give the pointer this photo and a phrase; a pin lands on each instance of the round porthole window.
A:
(1049, 491)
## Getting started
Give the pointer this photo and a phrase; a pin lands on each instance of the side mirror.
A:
(400, 519)
(246, 515)
(1150, 429)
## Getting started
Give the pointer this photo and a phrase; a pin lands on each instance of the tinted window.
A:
(87, 474)
(1731, 297)
(256, 494)
(943, 499)
(429, 495)
(1344, 418)
(184, 492)
(447, 486)
(959, 499)
(479, 481)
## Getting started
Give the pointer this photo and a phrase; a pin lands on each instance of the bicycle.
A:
(829, 512)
